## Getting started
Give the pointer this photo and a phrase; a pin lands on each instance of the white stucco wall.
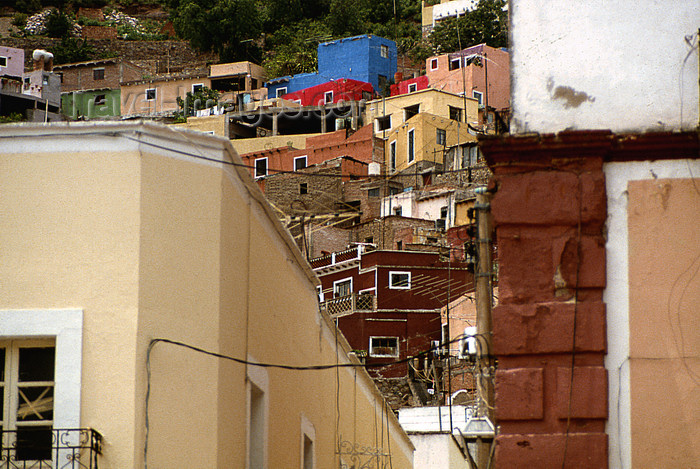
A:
(596, 64)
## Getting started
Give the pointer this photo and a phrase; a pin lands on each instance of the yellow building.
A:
(117, 234)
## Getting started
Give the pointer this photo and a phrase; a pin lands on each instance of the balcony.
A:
(44, 448)
(350, 304)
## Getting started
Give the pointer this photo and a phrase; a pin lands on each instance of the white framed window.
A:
(382, 346)
(433, 64)
(40, 377)
(400, 280)
(392, 156)
(150, 94)
(328, 97)
(300, 162)
(308, 439)
(479, 96)
(383, 123)
(455, 63)
(260, 167)
(384, 51)
(342, 287)
(257, 416)
(3, 61)
(197, 87)
(412, 87)
(279, 92)
(410, 145)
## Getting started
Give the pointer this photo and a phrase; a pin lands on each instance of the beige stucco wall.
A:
(249, 145)
(216, 124)
(664, 322)
(237, 68)
(425, 126)
(154, 244)
(133, 97)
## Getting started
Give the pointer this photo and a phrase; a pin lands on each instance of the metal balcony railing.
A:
(50, 448)
(349, 304)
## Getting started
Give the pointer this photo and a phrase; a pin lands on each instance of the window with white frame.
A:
(455, 63)
(197, 87)
(100, 99)
(383, 346)
(479, 96)
(410, 145)
(257, 416)
(384, 51)
(433, 64)
(412, 87)
(383, 123)
(300, 162)
(260, 167)
(400, 280)
(150, 94)
(3, 61)
(27, 395)
(328, 97)
(392, 156)
(342, 287)
(279, 92)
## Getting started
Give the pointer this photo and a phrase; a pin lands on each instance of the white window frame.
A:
(256, 167)
(281, 91)
(65, 327)
(392, 273)
(378, 126)
(459, 63)
(433, 62)
(101, 102)
(412, 87)
(411, 146)
(328, 97)
(299, 158)
(383, 355)
(196, 84)
(6, 60)
(384, 51)
(155, 94)
(479, 96)
(392, 156)
(258, 378)
(307, 431)
(338, 282)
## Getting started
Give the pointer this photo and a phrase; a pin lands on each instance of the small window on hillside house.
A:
(197, 88)
(384, 51)
(100, 99)
(150, 94)
(328, 97)
(410, 111)
(392, 156)
(374, 192)
(303, 188)
(400, 280)
(299, 163)
(412, 87)
(398, 211)
(260, 167)
(455, 113)
(281, 92)
(98, 73)
(383, 346)
(479, 96)
(440, 136)
(3, 61)
(443, 212)
(342, 287)
(383, 123)
(433, 64)
(454, 64)
(411, 146)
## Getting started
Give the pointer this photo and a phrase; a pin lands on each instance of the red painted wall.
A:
(345, 89)
(402, 86)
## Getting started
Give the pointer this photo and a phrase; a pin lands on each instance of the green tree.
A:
(487, 23)
(203, 98)
(58, 24)
(71, 50)
(293, 48)
(223, 26)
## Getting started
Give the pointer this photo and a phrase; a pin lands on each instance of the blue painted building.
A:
(367, 58)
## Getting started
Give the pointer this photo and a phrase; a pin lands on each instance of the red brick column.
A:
(549, 209)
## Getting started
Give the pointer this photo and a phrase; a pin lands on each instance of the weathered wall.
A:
(581, 65)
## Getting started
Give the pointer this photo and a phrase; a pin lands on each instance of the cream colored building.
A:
(116, 234)
(158, 96)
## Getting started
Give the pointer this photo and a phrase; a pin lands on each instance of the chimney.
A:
(43, 60)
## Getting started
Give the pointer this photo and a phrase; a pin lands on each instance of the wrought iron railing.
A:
(44, 448)
(349, 304)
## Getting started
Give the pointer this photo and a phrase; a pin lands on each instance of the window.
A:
(100, 99)
(3, 61)
(27, 392)
(394, 190)
(342, 287)
(454, 64)
(383, 123)
(470, 155)
(392, 156)
(410, 145)
(440, 137)
(384, 51)
(479, 96)
(398, 211)
(443, 212)
(382, 82)
(399, 280)
(308, 436)
(299, 163)
(383, 346)
(374, 192)
(412, 87)
(150, 94)
(433, 64)
(279, 92)
(328, 97)
(260, 167)
(45, 80)
(98, 73)
(303, 188)
(455, 113)
(399, 245)
(196, 88)
(257, 416)
(410, 111)
(369, 239)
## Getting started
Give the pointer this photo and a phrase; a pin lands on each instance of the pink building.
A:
(11, 62)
